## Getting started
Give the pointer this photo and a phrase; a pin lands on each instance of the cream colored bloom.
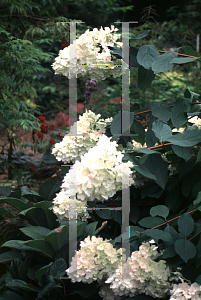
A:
(83, 135)
(89, 59)
(94, 261)
(99, 173)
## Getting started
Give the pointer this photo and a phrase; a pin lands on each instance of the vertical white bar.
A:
(72, 217)
(198, 48)
(125, 81)
(73, 77)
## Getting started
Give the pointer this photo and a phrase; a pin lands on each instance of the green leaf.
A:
(198, 199)
(10, 255)
(31, 195)
(183, 60)
(134, 214)
(147, 54)
(104, 214)
(8, 295)
(146, 151)
(18, 245)
(58, 269)
(179, 111)
(150, 137)
(169, 252)
(157, 166)
(133, 57)
(48, 158)
(161, 130)
(190, 51)
(35, 215)
(90, 229)
(141, 35)
(159, 210)
(198, 280)
(145, 172)
(198, 156)
(48, 189)
(8, 214)
(6, 190)
(190, 94)
(188, 138)
(150, 222)
(137, 128)
(50, 216)
(116, 125)
(16, 203)
(43, 246)
(58, 239)
(184, 152)
(186, 224)
(22, 285)
(185, 248)
(164, 62)
(145, 78)
(161, 111)
(35, 232)
(43, 271)
(116, 215)
(158, 234)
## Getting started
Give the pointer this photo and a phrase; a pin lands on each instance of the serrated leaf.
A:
(186, 224)
(159, 210)
(164, 62)
(147, 54)
(185, 248)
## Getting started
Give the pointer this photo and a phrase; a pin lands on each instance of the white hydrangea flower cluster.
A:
(90, 61)
(62, 205)
(94, 261)
(196, 121)
(90, 127)
(184, 291)
(107, 294)
(141, 274)
(99, 174)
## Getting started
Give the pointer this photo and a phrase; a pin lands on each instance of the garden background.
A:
(34, 112)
